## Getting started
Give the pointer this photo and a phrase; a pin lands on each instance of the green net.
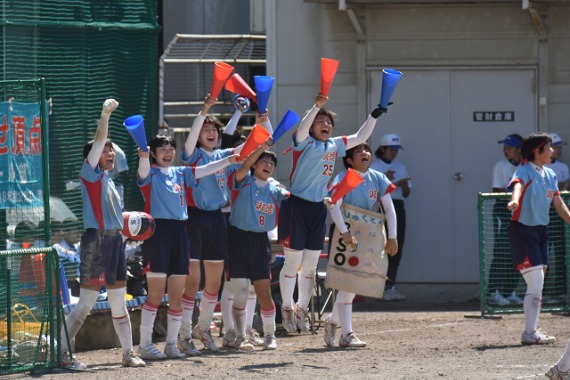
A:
(502, 287)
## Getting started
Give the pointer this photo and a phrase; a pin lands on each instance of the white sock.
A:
(533, 298)
(148, 315)
(187, 312)
(564, 361)
(239, 321)
(268, 319)
(307, 277)
(121, 318)
(226, 303)
(250, 308)
(288, 276)
(174, 318)
(343, 304)
(77, 316)
(207, 307)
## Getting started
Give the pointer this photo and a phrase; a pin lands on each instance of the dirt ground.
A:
(437, 333)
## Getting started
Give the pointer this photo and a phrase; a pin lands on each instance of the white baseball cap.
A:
(391, 140)
(556, 140)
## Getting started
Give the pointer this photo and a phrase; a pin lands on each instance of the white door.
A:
(450, 157)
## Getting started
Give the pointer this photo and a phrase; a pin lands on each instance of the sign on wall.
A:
(493, 116)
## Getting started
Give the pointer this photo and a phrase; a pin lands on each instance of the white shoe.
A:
(206, 338)
(150, 352)
(498, 300)
(241, 344)
(269, 342)
(288, 320)
(229, 339)
(68, 362)
(172, 351)
(515, 299)
(330, 332)
(393, 294)
(555, 374)
(302, 318)
(253, 338)
(187, 347)
(351, 340)
(537, 337)
(131, 360)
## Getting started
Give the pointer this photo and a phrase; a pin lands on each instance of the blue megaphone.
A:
(289, 120)
(390, 78)
(263, 85)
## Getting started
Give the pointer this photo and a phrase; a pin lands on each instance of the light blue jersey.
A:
(366, 195)
(254, 208)
(209, 194)
(101, 201)
(313, 166)
(537, 194)
(164, 191)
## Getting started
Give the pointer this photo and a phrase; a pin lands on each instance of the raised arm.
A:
(144, 164)
(192, 139)
(303, 130)
(102, 132)
(215, 166)
(365, 130)
(241, 173)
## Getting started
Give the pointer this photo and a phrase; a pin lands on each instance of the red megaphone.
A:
(222, 72)
(328, 71)
(257, 136)
(237, 85)
(349, 182)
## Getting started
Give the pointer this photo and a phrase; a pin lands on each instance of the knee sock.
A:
(174, 320)
(187, 312)
(207, 307)
(307, 277)
(76, 318)
(533, 298)
(121, 318)
(343, 304)
(564, 361)
(268, 319)
(226, 303)
(288, 276)
(250, 308)
(148, 315)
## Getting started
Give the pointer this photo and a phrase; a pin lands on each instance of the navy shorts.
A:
(208, 234)
(302, 224)
(529, 245)
(250, 255)
(167, 251)
(103, 259)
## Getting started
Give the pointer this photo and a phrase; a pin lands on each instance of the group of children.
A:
(193, 232)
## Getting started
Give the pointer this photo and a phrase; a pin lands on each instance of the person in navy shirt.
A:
(534, 189)
(103, 261)
(302, 220)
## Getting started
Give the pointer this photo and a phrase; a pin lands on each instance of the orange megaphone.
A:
(328, 71)
(349, 182)
(257, 136)
(237, 85)
(222, 72)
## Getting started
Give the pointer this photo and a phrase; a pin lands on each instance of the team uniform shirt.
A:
(400, 172)
(313, 166)
(371, 189)
(503, 173)
(209, 193)
(255, 208)
(164, 191)
(102, 204)
(560, 169)
(230, 170)
(539, 186)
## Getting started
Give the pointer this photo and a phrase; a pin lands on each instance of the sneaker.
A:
(537, 337)
(497, 299)
(229, 339)
(206, 338)
(288, 320)
(330, 332)
(172, 351)
(150, 352)
(555, 374)
(515, 299)
(269, 342)
(241, 344)
(302, 319)
(131, 360)
(351, 340)
(253, 338)
(68, 362)
(393, 294)
(187, 347)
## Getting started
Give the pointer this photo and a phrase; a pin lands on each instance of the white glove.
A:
(109, 106)
(134, 243)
